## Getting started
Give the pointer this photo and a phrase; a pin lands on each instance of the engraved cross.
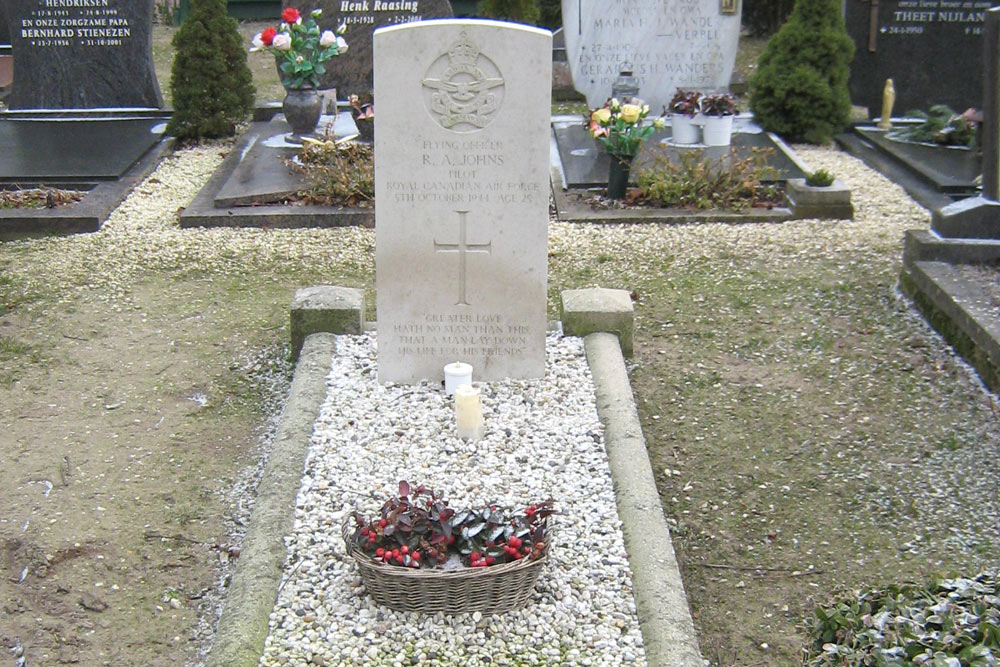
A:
(462, 247)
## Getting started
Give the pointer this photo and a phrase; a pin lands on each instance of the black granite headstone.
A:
(4, 28)
(82, 54)
(351, 73)
(931, 49)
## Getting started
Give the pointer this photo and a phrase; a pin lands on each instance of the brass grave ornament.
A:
(729, 6)
(463, 89)
(888, 100)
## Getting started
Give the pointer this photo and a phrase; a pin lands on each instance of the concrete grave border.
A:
(665, 620)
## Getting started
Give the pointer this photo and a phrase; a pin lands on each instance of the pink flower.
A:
(327, 38)
(282, 42)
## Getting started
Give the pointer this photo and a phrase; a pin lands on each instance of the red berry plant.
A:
(419, 530)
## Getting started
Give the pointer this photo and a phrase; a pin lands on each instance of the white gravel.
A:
(543, 439)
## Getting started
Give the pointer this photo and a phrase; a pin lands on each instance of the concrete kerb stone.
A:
(328, 308)
(243, 626)
(667, 628)
(585, 311)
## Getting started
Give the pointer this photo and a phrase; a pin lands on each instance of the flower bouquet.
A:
(620, 129)
(300, 48)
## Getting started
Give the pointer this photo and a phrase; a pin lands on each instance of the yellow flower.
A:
(615, 104)
(659, 123)
(601, 116)
(630, 113)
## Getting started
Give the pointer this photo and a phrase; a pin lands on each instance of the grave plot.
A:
(933, 54)
(84, 109)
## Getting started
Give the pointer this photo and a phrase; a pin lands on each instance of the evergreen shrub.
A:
(211, 83)
(800, 87)
(518, 11)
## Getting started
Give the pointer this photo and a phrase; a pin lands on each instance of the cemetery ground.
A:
(809, 432)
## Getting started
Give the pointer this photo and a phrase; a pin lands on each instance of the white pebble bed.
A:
(542, 439)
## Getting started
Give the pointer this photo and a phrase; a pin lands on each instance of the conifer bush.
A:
(800, 88)
(518, 11)
(211, 84)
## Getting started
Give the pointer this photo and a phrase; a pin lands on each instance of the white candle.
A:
(456, 374)
(468, 412)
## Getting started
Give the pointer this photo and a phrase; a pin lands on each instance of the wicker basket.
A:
(490, 590)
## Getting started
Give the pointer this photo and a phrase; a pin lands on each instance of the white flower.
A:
(342, 28)
(341, 45)
(316, 13)
(282, 42)
(257, 42)
(299, 59)
(327, 38)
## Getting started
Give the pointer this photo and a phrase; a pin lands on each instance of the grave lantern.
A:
(625, 86)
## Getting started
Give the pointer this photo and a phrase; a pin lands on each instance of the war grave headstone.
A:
(85, 102)
(461, 190)
(351, 73)
(689, 44)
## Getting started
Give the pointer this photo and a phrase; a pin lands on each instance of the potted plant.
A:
(620, 129)
(484, 559)
(684, 109)
(719, 110)
(300, 49)
(364, 117)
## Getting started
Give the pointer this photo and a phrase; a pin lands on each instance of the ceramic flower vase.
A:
(717, 130)
(618, 172)
(684, 129)
(302, 107)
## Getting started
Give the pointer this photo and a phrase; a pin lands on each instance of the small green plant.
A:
(945, 622)
(820, 178)
(941, 126)
(684, 103)
(343, 174)
(695, 182)
(418, 529)
(721, 104)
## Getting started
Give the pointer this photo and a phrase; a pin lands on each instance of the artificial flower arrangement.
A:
(721, 104)
(685, 103)
(419, 530)
(300, 48)
(619, 127)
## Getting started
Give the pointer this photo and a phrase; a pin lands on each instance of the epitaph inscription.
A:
(931, 49)
(462, 190)
(668, 43)
(351, 73)
(82, 54)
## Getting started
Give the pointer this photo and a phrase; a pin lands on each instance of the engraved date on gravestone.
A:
(65, 23)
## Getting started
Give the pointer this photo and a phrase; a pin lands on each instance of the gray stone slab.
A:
(948, 169)
(44, 150)
(261, 175)
(85, 54)
(586, 166)
(84, 216)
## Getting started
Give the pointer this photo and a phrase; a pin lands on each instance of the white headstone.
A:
(670, 44)
(461, 198)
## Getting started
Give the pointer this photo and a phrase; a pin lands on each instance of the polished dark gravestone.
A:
(82, 54)
(931, 49)
(351, 73)
(585, 166)
(34, 151)
(952, 170)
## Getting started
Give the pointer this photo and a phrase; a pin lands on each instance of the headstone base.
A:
(325, 309)
(972, 218)
(586, 311)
